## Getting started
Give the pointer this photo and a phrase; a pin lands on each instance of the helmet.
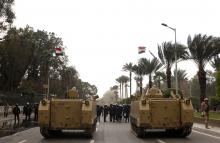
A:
(206, 99)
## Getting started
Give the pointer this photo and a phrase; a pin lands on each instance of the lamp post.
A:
(175, 53)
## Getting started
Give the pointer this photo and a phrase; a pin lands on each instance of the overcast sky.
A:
(102, 35)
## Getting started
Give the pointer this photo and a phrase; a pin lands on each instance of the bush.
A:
(167, 92)
(214, 102)
(196, 102)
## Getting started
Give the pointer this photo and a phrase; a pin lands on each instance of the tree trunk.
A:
(159, 82)
(126, 90)
(141, 80)
(130, 83)
(150, 81)
(168, 72)
(202, 82)
(217, 85)
(122, 91)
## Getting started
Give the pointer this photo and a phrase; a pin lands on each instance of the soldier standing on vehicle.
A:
(16, 112)
(205, 111)
(6, 108)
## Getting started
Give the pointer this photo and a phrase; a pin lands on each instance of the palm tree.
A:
(166, 53)
(129, 67)
(181, 76)
(150, 66)
(202, 49)
(120, 82)
(216, 65)
(159, 76)
(138, 70)
(124, 80)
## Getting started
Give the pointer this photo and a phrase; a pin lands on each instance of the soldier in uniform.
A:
(98, 112)
(27, 111)
(16, 111)
(111, 113)
(6, 108)
(36, 111)
(126, 112)
(105, 112)
(205, 111)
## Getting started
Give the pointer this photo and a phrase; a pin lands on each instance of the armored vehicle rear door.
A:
(165, 113)
(66, 114)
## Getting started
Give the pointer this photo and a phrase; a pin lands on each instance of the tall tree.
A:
(120, 84)
(16, 53)
(149, 67)
(202, 49)
(159, 76)
(216, 65)
(129, 67)
(181, 77)
(6, 13)
(166, 53)
(124, 80)
(138, 70)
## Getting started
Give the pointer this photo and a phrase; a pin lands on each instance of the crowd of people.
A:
(116, 113)
(16, 111)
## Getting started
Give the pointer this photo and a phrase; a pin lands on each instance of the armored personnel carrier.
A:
(56, 115)
(155, 110)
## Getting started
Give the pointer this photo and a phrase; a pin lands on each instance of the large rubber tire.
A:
(140, 132)
(45, 132)
(184, 132)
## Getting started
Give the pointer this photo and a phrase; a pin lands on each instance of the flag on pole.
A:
(141, 49)
(59, 51)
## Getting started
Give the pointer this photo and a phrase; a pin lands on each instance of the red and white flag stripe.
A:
(141, 49)
(59, 51)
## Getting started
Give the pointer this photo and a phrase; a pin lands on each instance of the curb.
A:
(215, 123)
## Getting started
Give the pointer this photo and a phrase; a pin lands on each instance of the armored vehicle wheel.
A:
(140, 132)
(186, 131)
(54, 132)
(45, 132)
(89, 133)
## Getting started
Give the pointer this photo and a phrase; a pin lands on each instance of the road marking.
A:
(15, 134)
(96, 130)
(22, 141)
(92, 141)
(207, 134)
(160, 141)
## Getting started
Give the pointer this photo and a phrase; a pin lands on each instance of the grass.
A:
(212, 115)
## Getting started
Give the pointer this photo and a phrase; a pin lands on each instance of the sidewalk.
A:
(202, 127)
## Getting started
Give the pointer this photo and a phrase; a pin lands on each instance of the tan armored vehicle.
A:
(155, 111)
(56, 115)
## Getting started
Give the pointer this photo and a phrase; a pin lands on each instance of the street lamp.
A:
(175, 53)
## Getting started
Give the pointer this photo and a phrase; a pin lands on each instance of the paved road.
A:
(110, 133)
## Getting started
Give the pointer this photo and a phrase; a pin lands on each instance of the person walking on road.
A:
(27, 111)
(105, 112)
(16, 112)
(36, 111)
(205, 111)
(6, 108)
